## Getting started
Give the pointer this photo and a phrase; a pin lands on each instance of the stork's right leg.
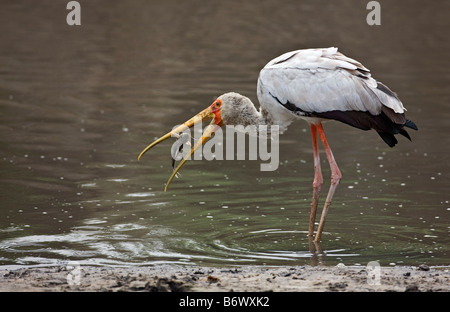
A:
(317, 183)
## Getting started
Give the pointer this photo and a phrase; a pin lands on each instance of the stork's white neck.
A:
(240, 110)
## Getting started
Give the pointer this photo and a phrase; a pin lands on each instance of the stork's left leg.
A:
(318, 181)
(335, 178)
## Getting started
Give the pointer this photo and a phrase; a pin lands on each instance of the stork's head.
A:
(224, 110)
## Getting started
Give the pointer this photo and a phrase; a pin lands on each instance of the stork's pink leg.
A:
(318, 180)
(335, 178)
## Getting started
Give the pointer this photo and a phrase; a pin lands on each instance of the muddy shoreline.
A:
(169, 278)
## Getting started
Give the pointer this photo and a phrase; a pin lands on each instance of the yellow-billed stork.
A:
(315, 85)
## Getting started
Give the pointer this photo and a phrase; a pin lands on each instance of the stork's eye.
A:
(218, 103)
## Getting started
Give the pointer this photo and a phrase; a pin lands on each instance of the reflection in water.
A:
(78, 104)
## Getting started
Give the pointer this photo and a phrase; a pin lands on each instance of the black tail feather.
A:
(404, 133)
(410, 124)
(389, 138)
(387, 124)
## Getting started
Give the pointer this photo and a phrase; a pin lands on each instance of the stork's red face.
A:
(211, 112)
(216, 107)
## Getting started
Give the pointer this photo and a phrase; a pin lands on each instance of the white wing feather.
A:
(321, 80)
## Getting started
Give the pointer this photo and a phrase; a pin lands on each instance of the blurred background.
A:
(78, 104)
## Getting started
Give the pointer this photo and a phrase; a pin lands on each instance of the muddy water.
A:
(78, 104)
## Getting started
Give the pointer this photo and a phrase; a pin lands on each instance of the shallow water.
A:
(78, 104)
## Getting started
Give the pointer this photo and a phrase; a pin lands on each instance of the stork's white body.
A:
(318, 81)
